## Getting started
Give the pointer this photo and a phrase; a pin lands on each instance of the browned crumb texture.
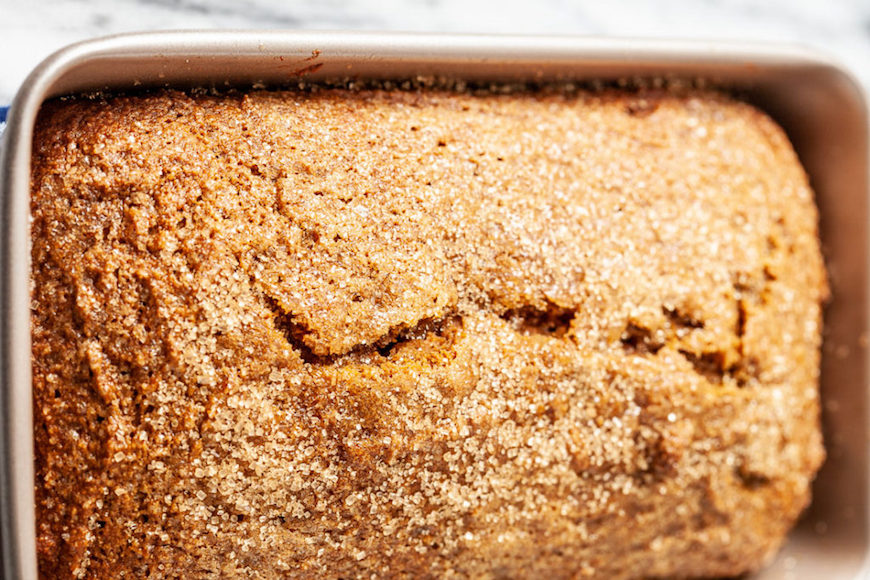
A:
(420, 334)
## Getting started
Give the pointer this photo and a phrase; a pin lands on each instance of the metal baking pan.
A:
(819, 105)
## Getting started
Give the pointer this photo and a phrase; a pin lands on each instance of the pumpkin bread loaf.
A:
(420, 333)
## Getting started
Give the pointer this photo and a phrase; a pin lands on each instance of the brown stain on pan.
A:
(303, 70)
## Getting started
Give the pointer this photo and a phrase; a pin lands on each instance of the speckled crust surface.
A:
(420, 334)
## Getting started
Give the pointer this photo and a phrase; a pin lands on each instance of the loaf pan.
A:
(819, 105)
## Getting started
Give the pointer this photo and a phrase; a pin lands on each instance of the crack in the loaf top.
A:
(741, 323)
(710, 365)
(749, 478)
(295, 332)
(423, 328)
(713, 365)
(552, 320)
(681, 319)
(640, 340)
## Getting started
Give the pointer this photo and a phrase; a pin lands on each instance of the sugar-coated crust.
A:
(420, 334)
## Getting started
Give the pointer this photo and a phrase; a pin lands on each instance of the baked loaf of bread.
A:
(422, 333)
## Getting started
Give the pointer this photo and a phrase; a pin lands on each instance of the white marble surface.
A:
(30, 31)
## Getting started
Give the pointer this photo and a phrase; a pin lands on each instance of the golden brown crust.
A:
(420, 334)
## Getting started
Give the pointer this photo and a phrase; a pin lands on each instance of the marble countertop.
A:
(31, 31)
